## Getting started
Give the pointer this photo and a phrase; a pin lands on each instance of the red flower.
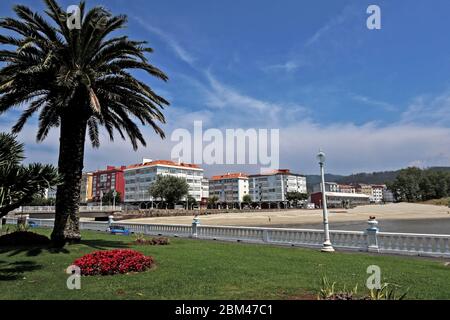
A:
(113, 262)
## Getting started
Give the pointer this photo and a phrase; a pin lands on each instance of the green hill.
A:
(381, 177)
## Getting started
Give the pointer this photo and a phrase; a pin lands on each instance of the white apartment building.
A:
(205, 189)
(139, 178)
(50, 193)
(377, 193)
(329, 187)
(229, 188)
(273, 187)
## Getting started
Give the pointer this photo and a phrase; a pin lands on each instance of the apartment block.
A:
(50, 193)
(139, 178)
(110, 179)
(377, 193)
(364, 189)
(229, 188)
(86, 187)
(273, 187)
(205, 190)
(329, 187)
(346, 188)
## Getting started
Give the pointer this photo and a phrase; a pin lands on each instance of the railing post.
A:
(372, 235)
(265, 236)
(195, 224)
(110, 221)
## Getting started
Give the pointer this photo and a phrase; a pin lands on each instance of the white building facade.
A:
(139, 178)
(377, 193)
(229, 188)
(205, 189)
(50, 193)
(273, 187)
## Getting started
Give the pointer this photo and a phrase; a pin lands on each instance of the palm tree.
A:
(20, 184)
(78, 80)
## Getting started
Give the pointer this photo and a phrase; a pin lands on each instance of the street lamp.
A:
(114, 199)
(327, 247)
(101, 200)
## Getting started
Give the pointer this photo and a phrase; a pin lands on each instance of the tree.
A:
(406, 187)
(108, 198)
(247, 199)
(169, 188)
(296, 196)
(192, 202)
(39, 200)
(21, 184)
(212, 201)
(77, 79)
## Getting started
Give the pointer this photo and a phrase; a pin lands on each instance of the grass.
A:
(192, 269)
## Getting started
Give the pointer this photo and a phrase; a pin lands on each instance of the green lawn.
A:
(191, 269)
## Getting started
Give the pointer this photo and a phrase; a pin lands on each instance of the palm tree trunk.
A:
(70, 166)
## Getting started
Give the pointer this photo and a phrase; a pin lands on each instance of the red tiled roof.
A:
(274, 172)
(108, 169)
(165, 163)
(230, 176)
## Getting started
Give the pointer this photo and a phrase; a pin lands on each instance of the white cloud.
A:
(248, 111)
(373, 102)
(288, 66)
(352, 148)
(329, 26)
(429, 109)
(171, 42)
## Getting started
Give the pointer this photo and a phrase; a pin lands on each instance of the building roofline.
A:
(237, 175)
(277, 172)
(168, 163)
(343, 194)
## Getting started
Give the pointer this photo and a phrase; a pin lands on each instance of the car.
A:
(119, 230)
(32, 224)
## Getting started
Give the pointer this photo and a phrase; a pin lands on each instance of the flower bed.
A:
(23, 238)
(113, 262)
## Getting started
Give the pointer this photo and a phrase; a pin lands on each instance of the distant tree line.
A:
(414, 184)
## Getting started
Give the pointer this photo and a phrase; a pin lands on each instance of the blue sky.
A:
(372, 99)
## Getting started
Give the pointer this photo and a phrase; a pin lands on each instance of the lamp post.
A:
(114, 199)
(327, 247)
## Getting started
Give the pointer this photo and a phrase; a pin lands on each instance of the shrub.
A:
(386, 292)
(113, 262)
(23, 238)
(161, 241)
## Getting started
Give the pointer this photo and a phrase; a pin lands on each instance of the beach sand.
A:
(299, 218)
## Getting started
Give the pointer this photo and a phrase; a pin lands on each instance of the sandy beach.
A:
(400, 212)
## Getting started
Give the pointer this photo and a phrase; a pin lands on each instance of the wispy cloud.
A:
(183, 54)
(346, 13)
(288, 66)
(302, 57)
(429, 109)
(373, 102)
(220, 95)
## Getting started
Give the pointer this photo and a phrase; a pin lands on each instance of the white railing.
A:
(414, 243)
(434, 245)
(51, 209)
